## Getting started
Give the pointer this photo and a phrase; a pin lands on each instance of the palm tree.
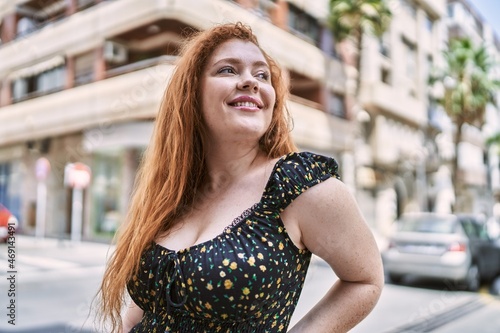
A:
(468, 89)
(352, 19)
(494, 140)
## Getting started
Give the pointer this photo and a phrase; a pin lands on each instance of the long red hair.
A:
(173, 167)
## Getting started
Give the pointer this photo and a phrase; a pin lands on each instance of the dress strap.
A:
(293, 174)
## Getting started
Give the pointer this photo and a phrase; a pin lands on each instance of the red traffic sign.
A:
(77, 175)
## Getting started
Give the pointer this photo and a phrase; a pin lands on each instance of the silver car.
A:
(453, 248)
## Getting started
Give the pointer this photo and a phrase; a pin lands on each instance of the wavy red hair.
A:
(173, 168)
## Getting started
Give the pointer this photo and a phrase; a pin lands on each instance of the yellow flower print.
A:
(262, 268)
(260, 256)
(208, 306)
(228, 284)
(281, 246)
(233, 265)
(209, 286)
(251, 261)
(189, 281)
(246, 291)
(222, 274)
(203, 249)
(225, 262)
(241, 255)
(224, 316)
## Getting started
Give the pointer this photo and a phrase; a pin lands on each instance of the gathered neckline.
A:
(237, 220)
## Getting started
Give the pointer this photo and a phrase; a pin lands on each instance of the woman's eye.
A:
(263, 75)
(226, 70)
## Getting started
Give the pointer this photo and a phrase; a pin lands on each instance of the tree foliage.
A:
(354, 17)
(468, 88)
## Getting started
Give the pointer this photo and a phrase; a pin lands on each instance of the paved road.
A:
(56, 282)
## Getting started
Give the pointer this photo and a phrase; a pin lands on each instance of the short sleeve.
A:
(293, 174)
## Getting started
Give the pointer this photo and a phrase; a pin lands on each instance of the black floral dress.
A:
(247, 279)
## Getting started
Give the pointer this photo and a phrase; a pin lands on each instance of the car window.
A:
(432, 224)
(470, 228)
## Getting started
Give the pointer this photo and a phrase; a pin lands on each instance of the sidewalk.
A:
(55, 283)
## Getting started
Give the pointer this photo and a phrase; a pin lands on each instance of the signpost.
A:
(77, 176)
(42, 171)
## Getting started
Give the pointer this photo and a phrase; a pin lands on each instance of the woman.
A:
(221, 228)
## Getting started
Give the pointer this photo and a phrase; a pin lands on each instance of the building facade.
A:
(81, 81)
(478, 163)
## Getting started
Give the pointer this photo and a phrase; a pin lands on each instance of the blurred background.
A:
(403, 93)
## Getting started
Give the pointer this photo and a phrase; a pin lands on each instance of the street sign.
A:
(42, 169)
(77, 175)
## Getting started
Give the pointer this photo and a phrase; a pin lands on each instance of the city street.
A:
(56, 282)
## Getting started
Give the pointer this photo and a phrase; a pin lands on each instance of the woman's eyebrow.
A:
(237, 61)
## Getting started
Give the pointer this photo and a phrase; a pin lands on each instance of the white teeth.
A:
(246, 104)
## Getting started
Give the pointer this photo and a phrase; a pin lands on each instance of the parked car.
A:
(6, 219)
(454, 248)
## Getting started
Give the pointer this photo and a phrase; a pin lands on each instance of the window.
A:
(385, 75)
(25, 26)
(429, 64)
(36, 14)
(48, 81)
(303, 23)
(385, 45)
(10, 184)
(82, 4)
(411, 59)
(336, 105)
(84, 68)
(451, 10)
(410, 7)
(107, 186)
(428, 23)
(470, 228)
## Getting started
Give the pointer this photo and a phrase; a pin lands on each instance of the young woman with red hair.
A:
(226, 213)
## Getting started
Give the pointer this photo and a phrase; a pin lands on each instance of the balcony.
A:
(436, 8)
(135, 95)
(396, 103)
(313, 128)
(114, 18)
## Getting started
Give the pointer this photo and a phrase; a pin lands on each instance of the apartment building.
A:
(81, 82)
(479, 165)
(396, 156)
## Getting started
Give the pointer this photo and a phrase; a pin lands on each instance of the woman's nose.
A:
(249, 83)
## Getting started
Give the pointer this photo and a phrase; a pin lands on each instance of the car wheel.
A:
(472, 281)
(395, 278)
(495, 286)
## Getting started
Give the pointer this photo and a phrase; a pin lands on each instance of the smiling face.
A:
(237, 96)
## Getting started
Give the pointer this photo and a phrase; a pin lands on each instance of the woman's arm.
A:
(332, 227)
(133, 315)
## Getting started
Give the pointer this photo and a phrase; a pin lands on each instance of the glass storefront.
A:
(113, 174)
(106, 210)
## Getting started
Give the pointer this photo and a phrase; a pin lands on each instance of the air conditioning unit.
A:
(115, 53)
